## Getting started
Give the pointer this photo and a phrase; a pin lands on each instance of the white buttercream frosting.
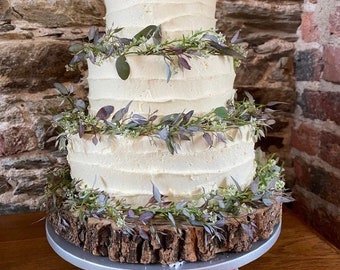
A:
(177, 17)
(127, 167)
(209, 84)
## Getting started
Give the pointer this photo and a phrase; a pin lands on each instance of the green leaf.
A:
(75, 48)
(221, 112)
(147, 32)
(123, 68)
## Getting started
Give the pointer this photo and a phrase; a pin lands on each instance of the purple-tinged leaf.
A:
(145, 217)
(235, 38)
(105, 112)
(248, 229)
(81, 130)
(207, 137)
(221, 137)
(236, 184)
(121, 113)
(139, 119)
(93, 32)
(193, 129)
(156, 193)
(95, 140)
(187, 117)
(143, 234)
(131, 213)
(80, 104)
(182, 62)
(92, 57)
(164, 133)
(152, 118)
(61, 88)
(78, 58)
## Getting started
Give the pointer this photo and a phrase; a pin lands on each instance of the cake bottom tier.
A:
(161, 243)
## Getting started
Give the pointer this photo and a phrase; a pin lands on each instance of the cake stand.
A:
(224, 261)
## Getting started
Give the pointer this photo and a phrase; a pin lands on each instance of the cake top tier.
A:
(176, 17)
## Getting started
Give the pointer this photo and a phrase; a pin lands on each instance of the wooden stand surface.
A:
(24, 246)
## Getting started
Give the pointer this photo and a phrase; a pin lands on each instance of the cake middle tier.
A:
(208, 85)
(127, 168)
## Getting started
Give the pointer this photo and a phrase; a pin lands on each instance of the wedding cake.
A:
(160, 153)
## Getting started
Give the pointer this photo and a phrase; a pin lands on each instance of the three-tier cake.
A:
(162, 161)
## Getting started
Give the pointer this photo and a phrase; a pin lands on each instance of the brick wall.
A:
(316, 134)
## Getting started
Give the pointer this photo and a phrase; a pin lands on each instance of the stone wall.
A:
(34, 40)
(316, 133)
(268, 31)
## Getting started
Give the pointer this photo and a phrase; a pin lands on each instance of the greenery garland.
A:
(172, 129)
(176, 52)
(209, 210)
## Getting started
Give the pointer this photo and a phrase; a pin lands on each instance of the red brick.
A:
(306, 138)
(334, 22)
(309, 28)
(316, 213)
(330, 149)
(320, 105)
(301, 170)
(331, 56)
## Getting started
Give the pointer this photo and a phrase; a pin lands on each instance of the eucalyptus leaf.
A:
(145, 217)
(207, 137)
(105, 112)
(182, 62)
(156, 193)
(61, 88)
(147, 32)
(221, 112)
(168, 71)
(123, 67)
(76, 48)
(143, 234)
(80, 104)
(118, 116)
(81, 130)
(93, 32)
(95, 140)
(236, 184)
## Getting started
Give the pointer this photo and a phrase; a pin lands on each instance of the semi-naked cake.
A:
(150, 197)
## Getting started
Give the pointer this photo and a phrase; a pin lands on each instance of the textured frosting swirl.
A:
(127, 167)
(177, 17)
(209, 84)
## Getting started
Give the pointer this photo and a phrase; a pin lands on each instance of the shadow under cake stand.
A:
(224, 261)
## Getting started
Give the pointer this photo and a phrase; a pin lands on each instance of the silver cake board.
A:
(224, 261)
